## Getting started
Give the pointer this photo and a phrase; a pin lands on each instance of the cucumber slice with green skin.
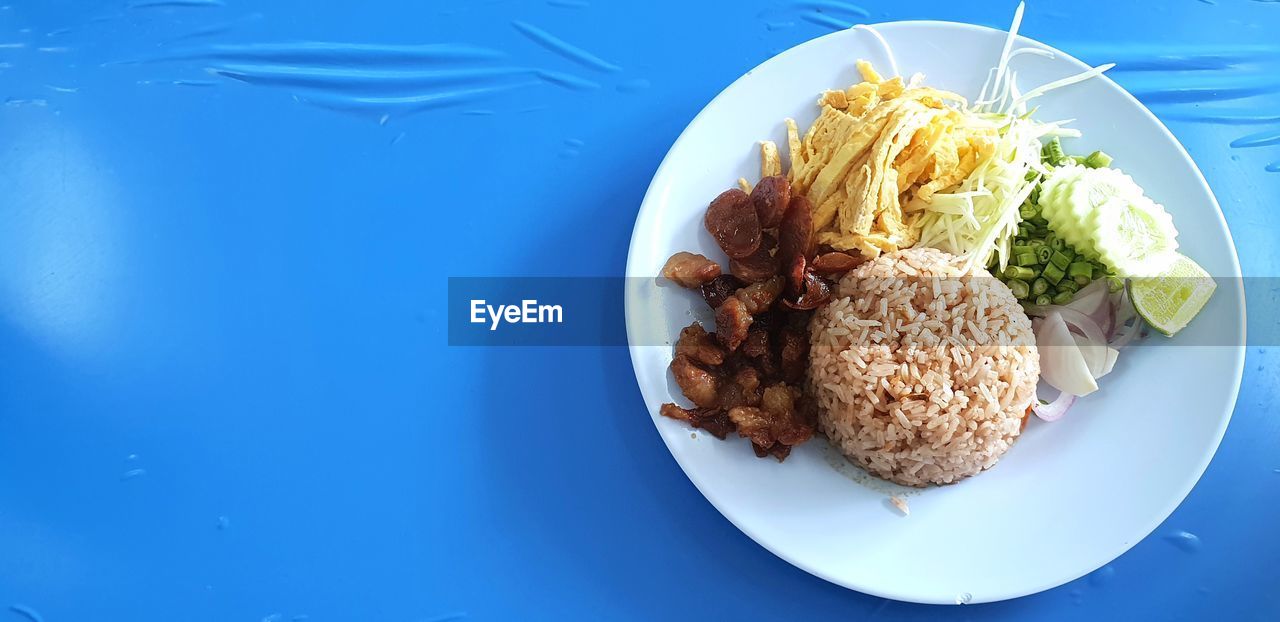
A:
(1106, 217)
(1067, 213)
(1080, 219)
(1136, 237)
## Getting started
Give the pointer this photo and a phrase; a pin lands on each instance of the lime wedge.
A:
(1169, 301)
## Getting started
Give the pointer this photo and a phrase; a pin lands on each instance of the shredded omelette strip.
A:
(875, 147)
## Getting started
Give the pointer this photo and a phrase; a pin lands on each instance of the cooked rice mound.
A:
(922, 374)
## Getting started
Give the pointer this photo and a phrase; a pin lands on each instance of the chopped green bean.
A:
(1080, 268)
(1039, 286)
(1044, 299)
(1019, 272)
(1097, 159)
(1063, 298)
(1052, 152)
(1020, 289)
(1045, 264)
(1053, 274)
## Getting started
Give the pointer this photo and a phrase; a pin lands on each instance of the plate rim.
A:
(631, 307)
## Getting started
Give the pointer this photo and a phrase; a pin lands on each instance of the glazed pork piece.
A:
(746, 376)
(690, 270)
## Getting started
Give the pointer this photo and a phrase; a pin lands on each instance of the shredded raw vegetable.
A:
(979, 217)
(981, 214)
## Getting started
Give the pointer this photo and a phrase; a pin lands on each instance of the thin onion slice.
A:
(1124, 305)
(1095, 301)
(1128, 324)
(1054, 410)
(1127, 333)
(1112, 355)
(1062, 360)
(1095, 358)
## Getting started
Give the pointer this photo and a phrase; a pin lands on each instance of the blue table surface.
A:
(226, 229)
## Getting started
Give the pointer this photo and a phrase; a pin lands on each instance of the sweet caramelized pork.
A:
(690, 269)
(745, 377)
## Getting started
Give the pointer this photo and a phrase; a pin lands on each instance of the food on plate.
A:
(750, 386)
(835, 263)
(1107, 217)
(719, 289)
(922, 372)
(690, 269)
(904, 278)
(874, 145)
(732, 222)
(770, 199)
(1168, 301)
(1042, 266)
(1063, 361)
(746, 375)
(713, 420)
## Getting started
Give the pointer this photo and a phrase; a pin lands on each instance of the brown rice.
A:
(922, 374)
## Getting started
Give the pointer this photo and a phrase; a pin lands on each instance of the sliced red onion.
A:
(1054, 410)
(1127, 333)
(1094, 301)
(1062, 359)
(1112, 355)
(1127, 320)
(1095, 358)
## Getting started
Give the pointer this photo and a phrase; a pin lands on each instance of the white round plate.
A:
(1070, 496)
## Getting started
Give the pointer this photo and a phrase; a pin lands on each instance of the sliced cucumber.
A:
(1106, 217)
(1136, 237)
